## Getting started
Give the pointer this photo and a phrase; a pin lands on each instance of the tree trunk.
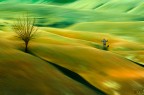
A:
(26, 46)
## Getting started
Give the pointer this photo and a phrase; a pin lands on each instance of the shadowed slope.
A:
(77, 77)
(23, 74)
(97, 67)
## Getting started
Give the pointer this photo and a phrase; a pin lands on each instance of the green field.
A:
(67, 57)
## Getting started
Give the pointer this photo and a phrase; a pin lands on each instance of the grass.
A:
(92, 64)
(23, 74)
(77, 48)
(132, 31)
(73, 50)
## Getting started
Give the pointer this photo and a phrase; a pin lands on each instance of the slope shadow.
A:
(136, 63)
(77, 77)
(62, 24)
(73, 76)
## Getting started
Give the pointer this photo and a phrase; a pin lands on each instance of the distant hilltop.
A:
(40, 1)
(113, 6)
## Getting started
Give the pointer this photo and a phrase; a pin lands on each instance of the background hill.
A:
(118, 6)
(128, 30)
(50, 13)
(40, 1)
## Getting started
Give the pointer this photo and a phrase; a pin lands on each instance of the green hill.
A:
(132, 31)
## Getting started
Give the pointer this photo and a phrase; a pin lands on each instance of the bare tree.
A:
(24, 28)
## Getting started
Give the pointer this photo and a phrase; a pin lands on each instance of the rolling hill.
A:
(105, 70)
(63, 15)
(67, 57)
(76, 51)
(132, 31)
(24, 74)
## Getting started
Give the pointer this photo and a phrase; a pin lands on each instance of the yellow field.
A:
(25, 74)
(79, 52)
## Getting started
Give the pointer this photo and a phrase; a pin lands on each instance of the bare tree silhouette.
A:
(24, 28)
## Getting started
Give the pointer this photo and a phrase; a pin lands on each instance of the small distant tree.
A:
(24, 28)
(105, 46)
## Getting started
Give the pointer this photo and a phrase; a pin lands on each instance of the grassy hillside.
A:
(23, 74)
(104, 70)
(111, 6)
(71, 61)
(112, 73)
(132, 31)
(60, 16)
(77, 51)
(40, 1)
(138, 9)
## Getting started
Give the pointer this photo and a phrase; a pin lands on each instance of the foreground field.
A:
(25, 74)
(77, 51)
